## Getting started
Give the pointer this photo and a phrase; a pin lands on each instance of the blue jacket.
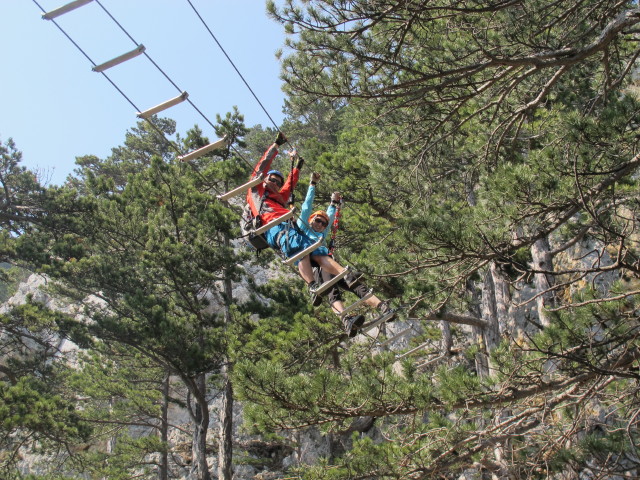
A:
(307, 209)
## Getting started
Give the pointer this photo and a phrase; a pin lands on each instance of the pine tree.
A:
(35, 412)
(124, 396)
(149, 257)
(482, 145)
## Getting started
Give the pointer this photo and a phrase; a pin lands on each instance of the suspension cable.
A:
(232, 64)
(153, 126)
(206, 26)
(171, 144)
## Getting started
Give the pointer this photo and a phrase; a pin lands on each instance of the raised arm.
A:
(292, 179)
(263, 165)
(307, 205)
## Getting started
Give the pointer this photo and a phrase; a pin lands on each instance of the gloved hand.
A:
(336, 197)
(281, 139)
(315, 178)
(300, 163)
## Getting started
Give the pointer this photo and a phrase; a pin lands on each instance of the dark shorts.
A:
(334, 294)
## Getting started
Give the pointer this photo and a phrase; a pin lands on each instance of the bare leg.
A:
(306, 272)
(337, 306)
(373, 301)
(328, 264)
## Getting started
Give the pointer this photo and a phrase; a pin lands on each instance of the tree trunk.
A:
(502, 299)
(481, 358)
(542, 260)
(201, 418)
(489, 308)
(480, 308)
(447, 338)
(505, 325)
(225, 443)
(163, 471)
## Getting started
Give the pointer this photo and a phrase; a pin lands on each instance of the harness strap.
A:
(292, 197)
(286, 230)
(264, 197)
(334, 228)
(279, 236)
(291, 225)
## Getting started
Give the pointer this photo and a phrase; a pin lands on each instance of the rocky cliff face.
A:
(34, 287)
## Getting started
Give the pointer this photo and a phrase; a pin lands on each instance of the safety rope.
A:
(224, 52)
(292, 197)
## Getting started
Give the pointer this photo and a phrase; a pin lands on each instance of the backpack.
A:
(248, 225)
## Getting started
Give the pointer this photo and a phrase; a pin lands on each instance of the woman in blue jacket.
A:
(318, 225)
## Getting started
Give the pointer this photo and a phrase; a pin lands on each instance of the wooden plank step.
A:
(413, 350)
(139, 50)
(273, 223)
(163, 106)
(64, 9)
(356, 304)
(329, 283)
(242, 188)
(204, 150)
(381, 319)
(304, 253)
(395, 337)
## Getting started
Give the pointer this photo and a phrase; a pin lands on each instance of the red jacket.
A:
(275, 204)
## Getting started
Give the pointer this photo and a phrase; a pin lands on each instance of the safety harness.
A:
(251, 223)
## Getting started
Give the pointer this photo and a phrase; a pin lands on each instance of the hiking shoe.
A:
(352, 278)
(313, 287)
(385, 308)
(352, 324)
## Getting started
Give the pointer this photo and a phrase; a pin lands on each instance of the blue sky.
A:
(56, 108)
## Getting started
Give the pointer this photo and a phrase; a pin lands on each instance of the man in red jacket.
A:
(268, 200)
